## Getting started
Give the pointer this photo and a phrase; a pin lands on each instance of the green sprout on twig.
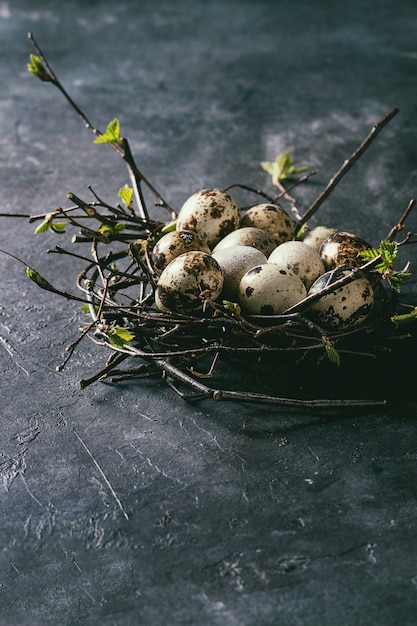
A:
(387, 251)
(37, 68)
(112, 134)
(126, 196)
(283, 167)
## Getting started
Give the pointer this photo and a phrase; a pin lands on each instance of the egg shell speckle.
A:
(182, 282)
(346, 306)
(273, 219)
(300, 258)
(342, 248)
(173, 244)
(211, 213)
(248, 236)
(269, 290)
(235, 261)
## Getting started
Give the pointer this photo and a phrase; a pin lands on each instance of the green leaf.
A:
(406, 318)
(126, 196)
(119, 336)
(37, 68)
(282, 168)
(387, 250)
(108, 230)
(58, 227)
(112, 134)
(39, 279)
(43, 227)
(232, 306)
(332, 354)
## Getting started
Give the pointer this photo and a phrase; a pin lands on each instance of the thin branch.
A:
(346, 166)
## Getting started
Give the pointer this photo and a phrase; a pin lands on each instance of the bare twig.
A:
(346, 166)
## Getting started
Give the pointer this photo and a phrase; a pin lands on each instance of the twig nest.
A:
(235, 261)
(342, 248)
(315, 237)
(173, 244)
(271, 218)
(348, 305)
(248, 236)
(301, 259)
(268, 289)
(211, 213)
(187, 282)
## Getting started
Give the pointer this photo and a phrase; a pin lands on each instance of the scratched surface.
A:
(124, 504)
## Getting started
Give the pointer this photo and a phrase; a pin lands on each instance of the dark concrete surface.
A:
(124, 504)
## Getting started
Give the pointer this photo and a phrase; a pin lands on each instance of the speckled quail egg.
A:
(317, 235)
(235, 261)
(300, 258)
(173, 244)
(211, 213)
(273, 219)
(346, 306)
(182, 282)
(269, 290)
(248, 236)
(342, 248)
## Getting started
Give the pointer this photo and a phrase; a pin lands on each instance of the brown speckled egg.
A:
(211, 213)
(269, 290)
(317, 235)
(173, 244)
(346, 306)
(248, 236)
(184, 279)
(273, 219)
(235, 261)
(300, 258)
(341, 248)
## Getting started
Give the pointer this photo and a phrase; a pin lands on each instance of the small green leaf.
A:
(112, 134)
(406, 318)
(168, 228)
(38, 279)
(332, 354)
(119, 336)
(126, 196)
(387, 250)
(43, 227)
(107, 230)
(282, 168)
(232, 306)
(58, 227)
(37, 68)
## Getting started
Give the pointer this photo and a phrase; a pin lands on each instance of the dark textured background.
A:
(126, 505)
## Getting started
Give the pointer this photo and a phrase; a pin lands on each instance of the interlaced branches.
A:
(118, 283)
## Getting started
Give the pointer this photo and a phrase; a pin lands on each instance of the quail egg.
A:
(211, 213)
(342, 248)
(235, 261)
(248, 236)
(268, 289)
(273, 219)
(346, 306)
(173, 244)
(317, 235)
(184, 280)
(300, 258)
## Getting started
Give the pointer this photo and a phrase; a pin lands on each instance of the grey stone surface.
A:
(124, 504)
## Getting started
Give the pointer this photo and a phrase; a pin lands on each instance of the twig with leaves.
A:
(124, 319)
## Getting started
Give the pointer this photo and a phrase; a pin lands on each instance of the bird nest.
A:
(217, 351)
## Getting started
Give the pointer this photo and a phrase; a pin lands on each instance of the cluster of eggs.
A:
(255, 260)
